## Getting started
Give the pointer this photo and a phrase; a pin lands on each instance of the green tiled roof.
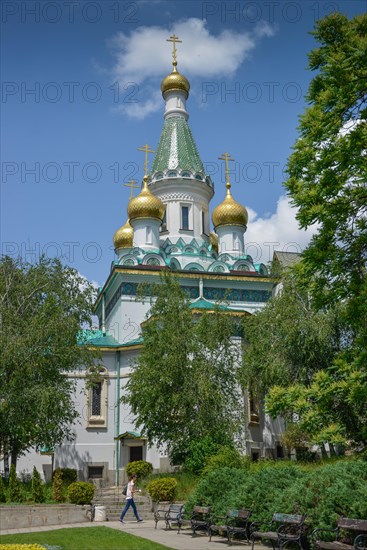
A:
(98, 339)
(205, 304)
(130, 435)
(176, 149)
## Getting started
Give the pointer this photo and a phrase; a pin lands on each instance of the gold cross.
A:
(147, 150)
(133, 185)
(174, 39)
(226, 157)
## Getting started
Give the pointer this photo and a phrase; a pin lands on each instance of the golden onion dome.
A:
(145, 205)
(214, 241)
(123, 238)
(175, 81)
(229, 212)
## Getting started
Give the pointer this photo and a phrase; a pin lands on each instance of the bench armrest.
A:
(315, 532)
(256, 524)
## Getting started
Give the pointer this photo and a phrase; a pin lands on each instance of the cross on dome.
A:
(174, 39)
(146, 149)
(133, 185)
(227, 158)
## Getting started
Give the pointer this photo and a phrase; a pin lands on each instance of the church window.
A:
(236, 242)
(198, 177)
(164, 221)
(218, 269)
(184, 217)
(172, 174)
(254, 409)
(153, 261)
(203, 222)
(149, 235)
(186, 175)
(97, 401)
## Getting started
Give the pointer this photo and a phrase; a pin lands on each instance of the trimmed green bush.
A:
(68, 475)
(37, 487)
(15, 492)
(2, 491)
(141, 468)
(57, 486)
(81, 492)
(163, 489)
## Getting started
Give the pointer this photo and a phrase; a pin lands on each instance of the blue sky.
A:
(95, 70)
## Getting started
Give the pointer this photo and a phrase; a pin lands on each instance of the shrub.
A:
(163, 489)
(323, 491)
(15, 492)
(226, 457)
(57, 486)
(2, 491)
(68, 475)
(139, 467)
(37, 487)
(81, 492)
(198, 453)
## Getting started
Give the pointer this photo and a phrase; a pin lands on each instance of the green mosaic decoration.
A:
(176, 149)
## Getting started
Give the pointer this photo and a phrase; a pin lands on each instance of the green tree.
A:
(42, 308)
(328, 168)
(57, 486)
(288, 341)
(15, 492)
(184, 385)
(37, 486)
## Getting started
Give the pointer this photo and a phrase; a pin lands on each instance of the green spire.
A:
(177, 149)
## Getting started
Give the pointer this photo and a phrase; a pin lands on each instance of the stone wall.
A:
(17, 517)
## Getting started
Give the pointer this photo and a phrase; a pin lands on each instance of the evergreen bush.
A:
(15, 492)
(323, 491)
(198, 453)
(68, 475)
(162, 489)
(81, 492)
(2, 490)
(37, 487)
(57, 486)
(140, 468)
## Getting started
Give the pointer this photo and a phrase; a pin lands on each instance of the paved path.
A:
(183, 541)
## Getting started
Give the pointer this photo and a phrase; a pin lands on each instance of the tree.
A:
(15, 491)
(37, 486)
(288, 341)
(327, 183)
(328, 168)
(184, 385)
(42, 308)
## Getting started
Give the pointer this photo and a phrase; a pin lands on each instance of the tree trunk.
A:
(14, 458)
(6, 466)
(323, 451)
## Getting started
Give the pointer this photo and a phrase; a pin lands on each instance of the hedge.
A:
(323, 492)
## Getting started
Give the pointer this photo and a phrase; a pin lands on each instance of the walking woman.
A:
(130, 500)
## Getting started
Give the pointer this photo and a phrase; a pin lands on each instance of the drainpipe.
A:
(103, 315)
(117, 432)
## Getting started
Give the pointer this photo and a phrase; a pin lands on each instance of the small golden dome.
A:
(145, 205)
(214, 241)
(175, 81)
(123, 238)
(229, 212)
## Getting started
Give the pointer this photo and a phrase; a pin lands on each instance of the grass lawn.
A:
(85, 538)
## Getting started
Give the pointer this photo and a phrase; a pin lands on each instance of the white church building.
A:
(167, 228)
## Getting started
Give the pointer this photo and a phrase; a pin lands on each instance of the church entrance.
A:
(132, 447)
(136, 453)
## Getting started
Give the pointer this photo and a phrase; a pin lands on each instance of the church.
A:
(167, 227)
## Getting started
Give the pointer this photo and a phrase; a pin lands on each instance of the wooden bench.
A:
(282, 529)
(199, 521)
(235, 522)
(357, 526)
(170, 513)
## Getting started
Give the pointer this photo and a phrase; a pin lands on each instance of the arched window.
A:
(172, 174)
(97, 400)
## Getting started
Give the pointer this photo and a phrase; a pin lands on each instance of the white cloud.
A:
(145, 54)
(279, 231)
